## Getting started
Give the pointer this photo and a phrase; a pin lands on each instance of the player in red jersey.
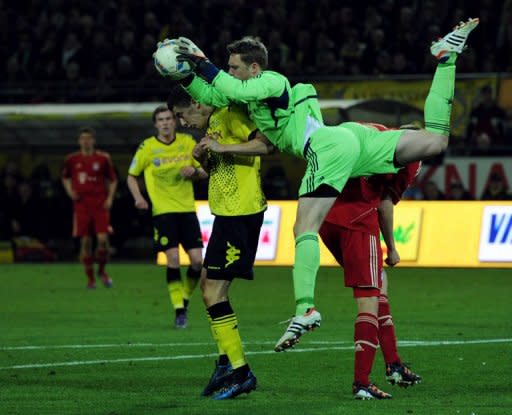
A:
(90, 181)
(351, 233)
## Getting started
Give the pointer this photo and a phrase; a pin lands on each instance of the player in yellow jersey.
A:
(238, 203)
(169, 168)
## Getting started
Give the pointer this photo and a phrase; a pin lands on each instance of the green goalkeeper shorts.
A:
(335, 154)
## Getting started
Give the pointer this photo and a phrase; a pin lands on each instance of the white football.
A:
(166, 63)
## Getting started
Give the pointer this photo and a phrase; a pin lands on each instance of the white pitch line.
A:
(404, 343)
(261, 352)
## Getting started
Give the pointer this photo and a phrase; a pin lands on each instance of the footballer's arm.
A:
(257, 146)
(385, 211)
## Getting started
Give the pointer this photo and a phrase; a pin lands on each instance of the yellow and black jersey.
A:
(161, 163)
(235, 182)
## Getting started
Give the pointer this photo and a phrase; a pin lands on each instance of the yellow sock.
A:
(214, 335)
(225, 325)
(175, 287)
(176, 294)
(190, 282)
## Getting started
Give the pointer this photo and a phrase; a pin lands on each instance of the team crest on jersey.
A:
(156, 162)
(95, 166)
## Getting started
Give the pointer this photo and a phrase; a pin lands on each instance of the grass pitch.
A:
(66, 350)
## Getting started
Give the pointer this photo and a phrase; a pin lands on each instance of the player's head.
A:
(164, 121)
(86, 139)
(247, 58)
(190, 113)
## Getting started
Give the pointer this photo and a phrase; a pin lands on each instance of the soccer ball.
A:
(166, 63)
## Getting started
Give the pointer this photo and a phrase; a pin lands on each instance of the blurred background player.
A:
(351, 233)
(169, 168)
(90, 181)
(236, 199)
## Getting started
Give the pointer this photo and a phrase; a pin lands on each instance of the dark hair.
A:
(250, 50)
(158, 110)
(87, 130)
(178, 97)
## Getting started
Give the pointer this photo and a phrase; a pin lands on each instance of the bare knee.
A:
(196, 258)
(102, 241)
(173, 258)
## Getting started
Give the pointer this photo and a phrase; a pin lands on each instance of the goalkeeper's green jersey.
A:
(280, 112)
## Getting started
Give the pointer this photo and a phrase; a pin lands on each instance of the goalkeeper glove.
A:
(189, 52)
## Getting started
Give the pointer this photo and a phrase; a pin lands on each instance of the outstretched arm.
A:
(385, 211)
(203, 92)
(265, 85)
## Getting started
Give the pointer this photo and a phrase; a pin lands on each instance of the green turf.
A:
(48, 305)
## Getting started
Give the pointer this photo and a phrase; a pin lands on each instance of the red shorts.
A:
(359, 253)
(90, 219)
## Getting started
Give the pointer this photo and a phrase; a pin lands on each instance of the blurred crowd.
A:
(85, 40)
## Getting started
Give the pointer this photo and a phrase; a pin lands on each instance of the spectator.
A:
(71, 50)
(458, 192)
(26, 217)
(496, 188)
(486, 126)
(432, 192)
(358, 37)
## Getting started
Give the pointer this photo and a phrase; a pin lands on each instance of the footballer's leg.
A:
(362, 259)
(397, 372)
(311, 212)
(191, 239)
(419, 145)
(175, 287)
(102, 258)
(331, 154)
(87, 260)
(224, 325)
(216, 294)
(230, 254)
(101, 219)
(193, 273)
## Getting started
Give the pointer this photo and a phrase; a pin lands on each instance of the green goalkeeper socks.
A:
(307, 262)
(438, 105)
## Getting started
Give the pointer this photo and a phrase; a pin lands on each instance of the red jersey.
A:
(356, 206)
(88, 174)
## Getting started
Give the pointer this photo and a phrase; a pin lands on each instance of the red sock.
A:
(366, 343)
(101, 258)
(88, 262)
(387, 338)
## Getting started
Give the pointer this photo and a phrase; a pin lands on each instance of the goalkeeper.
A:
(291, 119)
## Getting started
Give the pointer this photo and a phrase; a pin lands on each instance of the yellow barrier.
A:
(428, 234)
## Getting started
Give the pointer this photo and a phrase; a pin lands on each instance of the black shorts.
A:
(172, 229)
(232, 247)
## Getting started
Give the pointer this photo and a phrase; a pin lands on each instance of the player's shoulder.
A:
(185, 137)
(103, 154)
(73, 156)
(147, 142)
